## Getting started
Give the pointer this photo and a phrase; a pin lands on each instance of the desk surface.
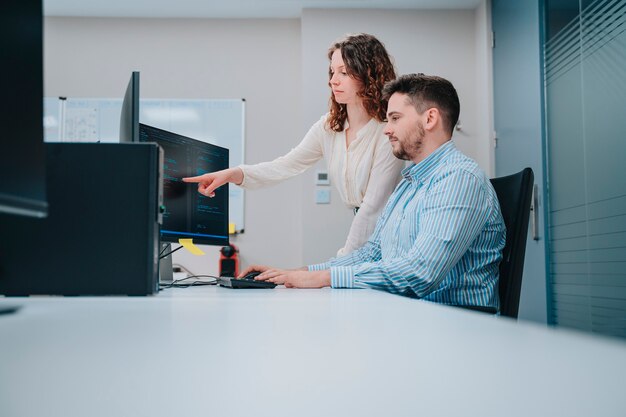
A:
(188, 352)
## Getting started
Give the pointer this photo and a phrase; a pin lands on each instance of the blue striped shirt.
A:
(439, 238)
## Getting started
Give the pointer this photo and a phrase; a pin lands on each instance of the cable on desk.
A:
(179, 282)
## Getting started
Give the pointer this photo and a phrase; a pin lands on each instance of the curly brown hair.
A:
(367, 61)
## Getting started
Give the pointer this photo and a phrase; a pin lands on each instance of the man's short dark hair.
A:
(425, 92)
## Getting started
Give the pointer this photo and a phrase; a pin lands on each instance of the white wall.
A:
(433, 42)
(258, 60)
(485, 145)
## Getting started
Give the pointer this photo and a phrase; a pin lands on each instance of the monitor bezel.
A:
(129, 116)
(23, 171)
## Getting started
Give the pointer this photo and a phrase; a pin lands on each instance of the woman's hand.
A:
(208, 183)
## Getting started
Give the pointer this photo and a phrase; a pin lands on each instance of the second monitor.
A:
(189, 214)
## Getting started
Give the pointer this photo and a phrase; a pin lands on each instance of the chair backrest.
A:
(514, 194)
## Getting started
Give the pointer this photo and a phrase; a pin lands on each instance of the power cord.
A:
(180, 284)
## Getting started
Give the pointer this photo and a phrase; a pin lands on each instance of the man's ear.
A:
(432, 118)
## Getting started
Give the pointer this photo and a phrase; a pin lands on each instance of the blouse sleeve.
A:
(383, 179)
(303, 156)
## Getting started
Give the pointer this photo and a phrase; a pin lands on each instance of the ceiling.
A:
(232, 8)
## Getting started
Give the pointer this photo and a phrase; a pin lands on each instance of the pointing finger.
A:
(193, 179)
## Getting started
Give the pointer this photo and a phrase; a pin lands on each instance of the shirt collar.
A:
(424, 169)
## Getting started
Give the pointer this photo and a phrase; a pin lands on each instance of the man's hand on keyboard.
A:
(296, 278)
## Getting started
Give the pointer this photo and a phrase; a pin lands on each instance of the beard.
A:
(411, 145)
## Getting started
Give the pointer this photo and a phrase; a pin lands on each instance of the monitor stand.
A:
(166, 271)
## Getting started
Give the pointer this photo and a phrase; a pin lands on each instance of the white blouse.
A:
(365, 173)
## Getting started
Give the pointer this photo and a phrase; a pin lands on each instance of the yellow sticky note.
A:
(188, 244)
(231, 228)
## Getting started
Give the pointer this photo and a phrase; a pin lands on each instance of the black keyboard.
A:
(246, 282)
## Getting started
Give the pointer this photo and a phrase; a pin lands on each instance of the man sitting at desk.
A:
(441, 234)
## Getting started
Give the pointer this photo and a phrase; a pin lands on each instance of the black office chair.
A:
(514, 194)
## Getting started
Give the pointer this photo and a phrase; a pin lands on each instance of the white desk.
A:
(190, 352)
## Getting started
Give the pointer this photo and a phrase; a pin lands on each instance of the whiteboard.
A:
(220, 122)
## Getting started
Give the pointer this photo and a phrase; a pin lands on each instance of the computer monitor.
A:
(188, 214)
(22, 165)
(129, 118)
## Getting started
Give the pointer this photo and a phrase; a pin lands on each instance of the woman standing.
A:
(350, 137)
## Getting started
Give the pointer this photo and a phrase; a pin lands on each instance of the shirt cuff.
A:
(342, 277)
(319, 267)
(244, 181)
